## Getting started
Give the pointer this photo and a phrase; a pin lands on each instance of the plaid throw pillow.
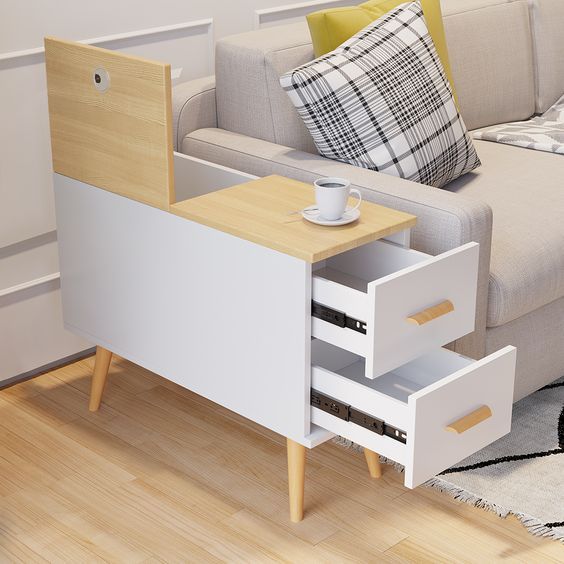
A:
(382, 101)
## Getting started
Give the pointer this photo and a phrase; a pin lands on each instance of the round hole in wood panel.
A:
(101, 79)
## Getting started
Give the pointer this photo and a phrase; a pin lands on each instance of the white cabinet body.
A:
(232, 321)
(224, 317)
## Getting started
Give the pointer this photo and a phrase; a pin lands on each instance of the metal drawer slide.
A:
(336, 317)
(346, 412)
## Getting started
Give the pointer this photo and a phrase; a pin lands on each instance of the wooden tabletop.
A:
(259, 211)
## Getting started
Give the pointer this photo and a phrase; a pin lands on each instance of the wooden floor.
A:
(160, 474)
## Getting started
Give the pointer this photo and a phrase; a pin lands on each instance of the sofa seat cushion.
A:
(525, 190)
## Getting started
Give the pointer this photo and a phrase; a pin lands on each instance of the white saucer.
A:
(314, 216)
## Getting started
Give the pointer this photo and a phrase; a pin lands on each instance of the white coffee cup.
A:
(331, 196)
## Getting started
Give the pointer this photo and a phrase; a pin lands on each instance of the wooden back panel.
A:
(119, 139)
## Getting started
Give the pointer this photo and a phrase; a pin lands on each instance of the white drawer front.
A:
(485, 385)
(387, 286)
(392, 339)
(422, 398)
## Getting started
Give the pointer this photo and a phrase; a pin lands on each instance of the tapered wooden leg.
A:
(296, 479)
(101, 367)
(373, 461)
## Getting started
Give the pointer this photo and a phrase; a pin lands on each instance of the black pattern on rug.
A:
(524, 456)
(513, 458)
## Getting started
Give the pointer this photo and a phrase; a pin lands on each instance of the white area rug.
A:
(523, 472)
(520, 474)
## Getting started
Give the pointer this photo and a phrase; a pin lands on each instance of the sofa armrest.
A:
(193, 107)
(445, 220)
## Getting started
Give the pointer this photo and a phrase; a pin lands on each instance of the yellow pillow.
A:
(330, 28)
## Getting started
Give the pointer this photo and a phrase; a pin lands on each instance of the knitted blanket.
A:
(542, 133)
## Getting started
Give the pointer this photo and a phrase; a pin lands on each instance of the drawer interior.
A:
(411, 411)
(399, 383)
(356, 268)
(391, 305)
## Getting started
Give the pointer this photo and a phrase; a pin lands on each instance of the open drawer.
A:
(398, 303)
(427, 415)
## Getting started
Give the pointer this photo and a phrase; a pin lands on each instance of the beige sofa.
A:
(508, 63)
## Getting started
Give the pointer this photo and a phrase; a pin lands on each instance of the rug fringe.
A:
(533, 525)
(346, 443)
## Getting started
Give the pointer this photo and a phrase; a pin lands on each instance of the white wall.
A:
(181, 32)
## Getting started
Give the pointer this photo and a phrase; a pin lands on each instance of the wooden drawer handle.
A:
(431, 313)
(470, 420)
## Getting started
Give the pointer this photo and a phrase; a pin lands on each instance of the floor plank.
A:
(162, 475)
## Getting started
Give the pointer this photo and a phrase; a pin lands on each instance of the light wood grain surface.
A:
(99, 377)
(373, 461)
(296, 479)
(261, 211)
(162, 475)
(471, 420)
(431, 313)
(120, 139)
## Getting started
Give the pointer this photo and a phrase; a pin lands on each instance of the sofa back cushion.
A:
(489, 48)
(547, 20)
(249, 97)
(491, 56)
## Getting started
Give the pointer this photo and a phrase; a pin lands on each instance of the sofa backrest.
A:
(490, 50)
(491, 54)
(249, 97)
(547, 20)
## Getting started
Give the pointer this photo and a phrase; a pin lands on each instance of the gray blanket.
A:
(543, 133)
